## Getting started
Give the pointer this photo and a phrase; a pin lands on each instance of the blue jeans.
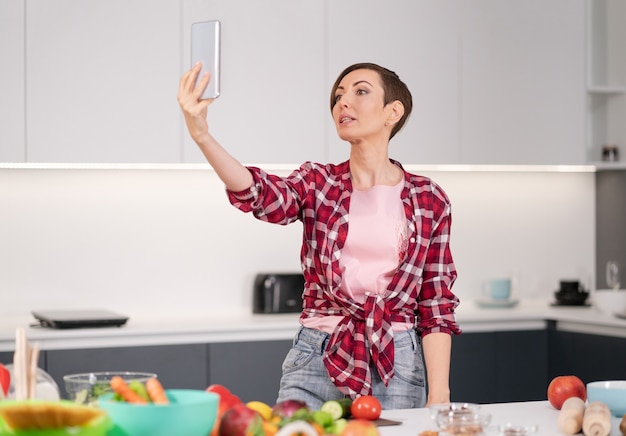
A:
(305, 377)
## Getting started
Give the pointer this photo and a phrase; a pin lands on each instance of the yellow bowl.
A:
(97, 426)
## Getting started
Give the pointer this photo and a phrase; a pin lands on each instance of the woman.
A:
(375, 256)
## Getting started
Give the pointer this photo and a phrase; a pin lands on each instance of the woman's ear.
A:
(395, 112)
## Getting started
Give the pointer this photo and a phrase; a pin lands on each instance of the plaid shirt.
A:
(419, 293)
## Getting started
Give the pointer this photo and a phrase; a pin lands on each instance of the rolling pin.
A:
(597, 420)
(570, 420)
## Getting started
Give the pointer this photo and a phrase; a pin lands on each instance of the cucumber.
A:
(338, 426)
(337, 408)
(323, 418)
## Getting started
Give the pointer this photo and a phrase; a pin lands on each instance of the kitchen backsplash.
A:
(167, 242)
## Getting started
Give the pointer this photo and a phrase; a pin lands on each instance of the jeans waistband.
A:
(316, 338)
(319, 339)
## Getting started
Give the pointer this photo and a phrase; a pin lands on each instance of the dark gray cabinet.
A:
(472, 368)
(486, 367)
(590, 357)
(495, 367)
(178, 366)
(6, 357)
(251, 370)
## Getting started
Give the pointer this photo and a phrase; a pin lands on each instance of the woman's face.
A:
(359, 111)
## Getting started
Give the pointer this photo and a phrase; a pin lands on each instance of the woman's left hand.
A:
(194, 109)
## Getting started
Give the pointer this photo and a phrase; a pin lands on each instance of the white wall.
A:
(166, 241)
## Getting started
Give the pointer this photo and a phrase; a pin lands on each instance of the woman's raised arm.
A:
(235, 176)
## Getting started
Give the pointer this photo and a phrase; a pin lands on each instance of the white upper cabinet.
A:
(419, 40)
(101, 81)
(522, 82)
(493, 81)
(273, 103)
(12, 125)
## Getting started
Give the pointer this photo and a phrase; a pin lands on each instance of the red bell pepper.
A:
(227, 400)
(5, 379)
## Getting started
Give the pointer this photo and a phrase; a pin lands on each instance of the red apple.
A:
(240, 420)
(563, 387)
(360, 427)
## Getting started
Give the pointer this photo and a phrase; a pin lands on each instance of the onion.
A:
(286, 409)
(297, 427)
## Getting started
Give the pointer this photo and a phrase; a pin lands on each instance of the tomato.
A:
(366, 407)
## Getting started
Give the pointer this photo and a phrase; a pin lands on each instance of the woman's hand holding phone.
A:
(194, 109)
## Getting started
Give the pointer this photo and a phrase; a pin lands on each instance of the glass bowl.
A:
(87, 387)
(46, 388)
(466, 421)
(517, 430)
(447, 408)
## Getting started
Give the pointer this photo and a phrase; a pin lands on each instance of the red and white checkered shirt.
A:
(318, 195)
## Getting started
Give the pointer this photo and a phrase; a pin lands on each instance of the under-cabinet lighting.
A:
(505, 168)
(103, 166)
(288, 167)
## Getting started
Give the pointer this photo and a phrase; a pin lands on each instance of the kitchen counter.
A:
(159, 330)
(540, 413)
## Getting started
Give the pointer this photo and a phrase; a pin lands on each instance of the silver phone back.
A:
(205, 48)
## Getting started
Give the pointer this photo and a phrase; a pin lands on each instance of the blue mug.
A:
(497, 289)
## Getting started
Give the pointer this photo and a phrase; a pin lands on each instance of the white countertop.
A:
(540, 413)
(161, 330)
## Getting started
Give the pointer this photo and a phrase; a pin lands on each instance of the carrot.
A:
(120, 387)
(156, 391)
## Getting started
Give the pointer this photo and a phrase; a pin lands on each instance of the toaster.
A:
(277, 293)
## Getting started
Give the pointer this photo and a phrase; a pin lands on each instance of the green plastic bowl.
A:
(610, 392)
(189, 413)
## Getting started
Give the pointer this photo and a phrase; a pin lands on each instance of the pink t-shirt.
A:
(376, 234)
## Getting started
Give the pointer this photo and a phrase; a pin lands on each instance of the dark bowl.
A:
(571, 298)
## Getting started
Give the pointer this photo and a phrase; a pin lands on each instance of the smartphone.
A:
(205, 48)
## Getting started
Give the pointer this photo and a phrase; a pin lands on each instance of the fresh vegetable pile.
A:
(342, 417)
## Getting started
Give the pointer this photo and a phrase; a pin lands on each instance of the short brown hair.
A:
(393, 88)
